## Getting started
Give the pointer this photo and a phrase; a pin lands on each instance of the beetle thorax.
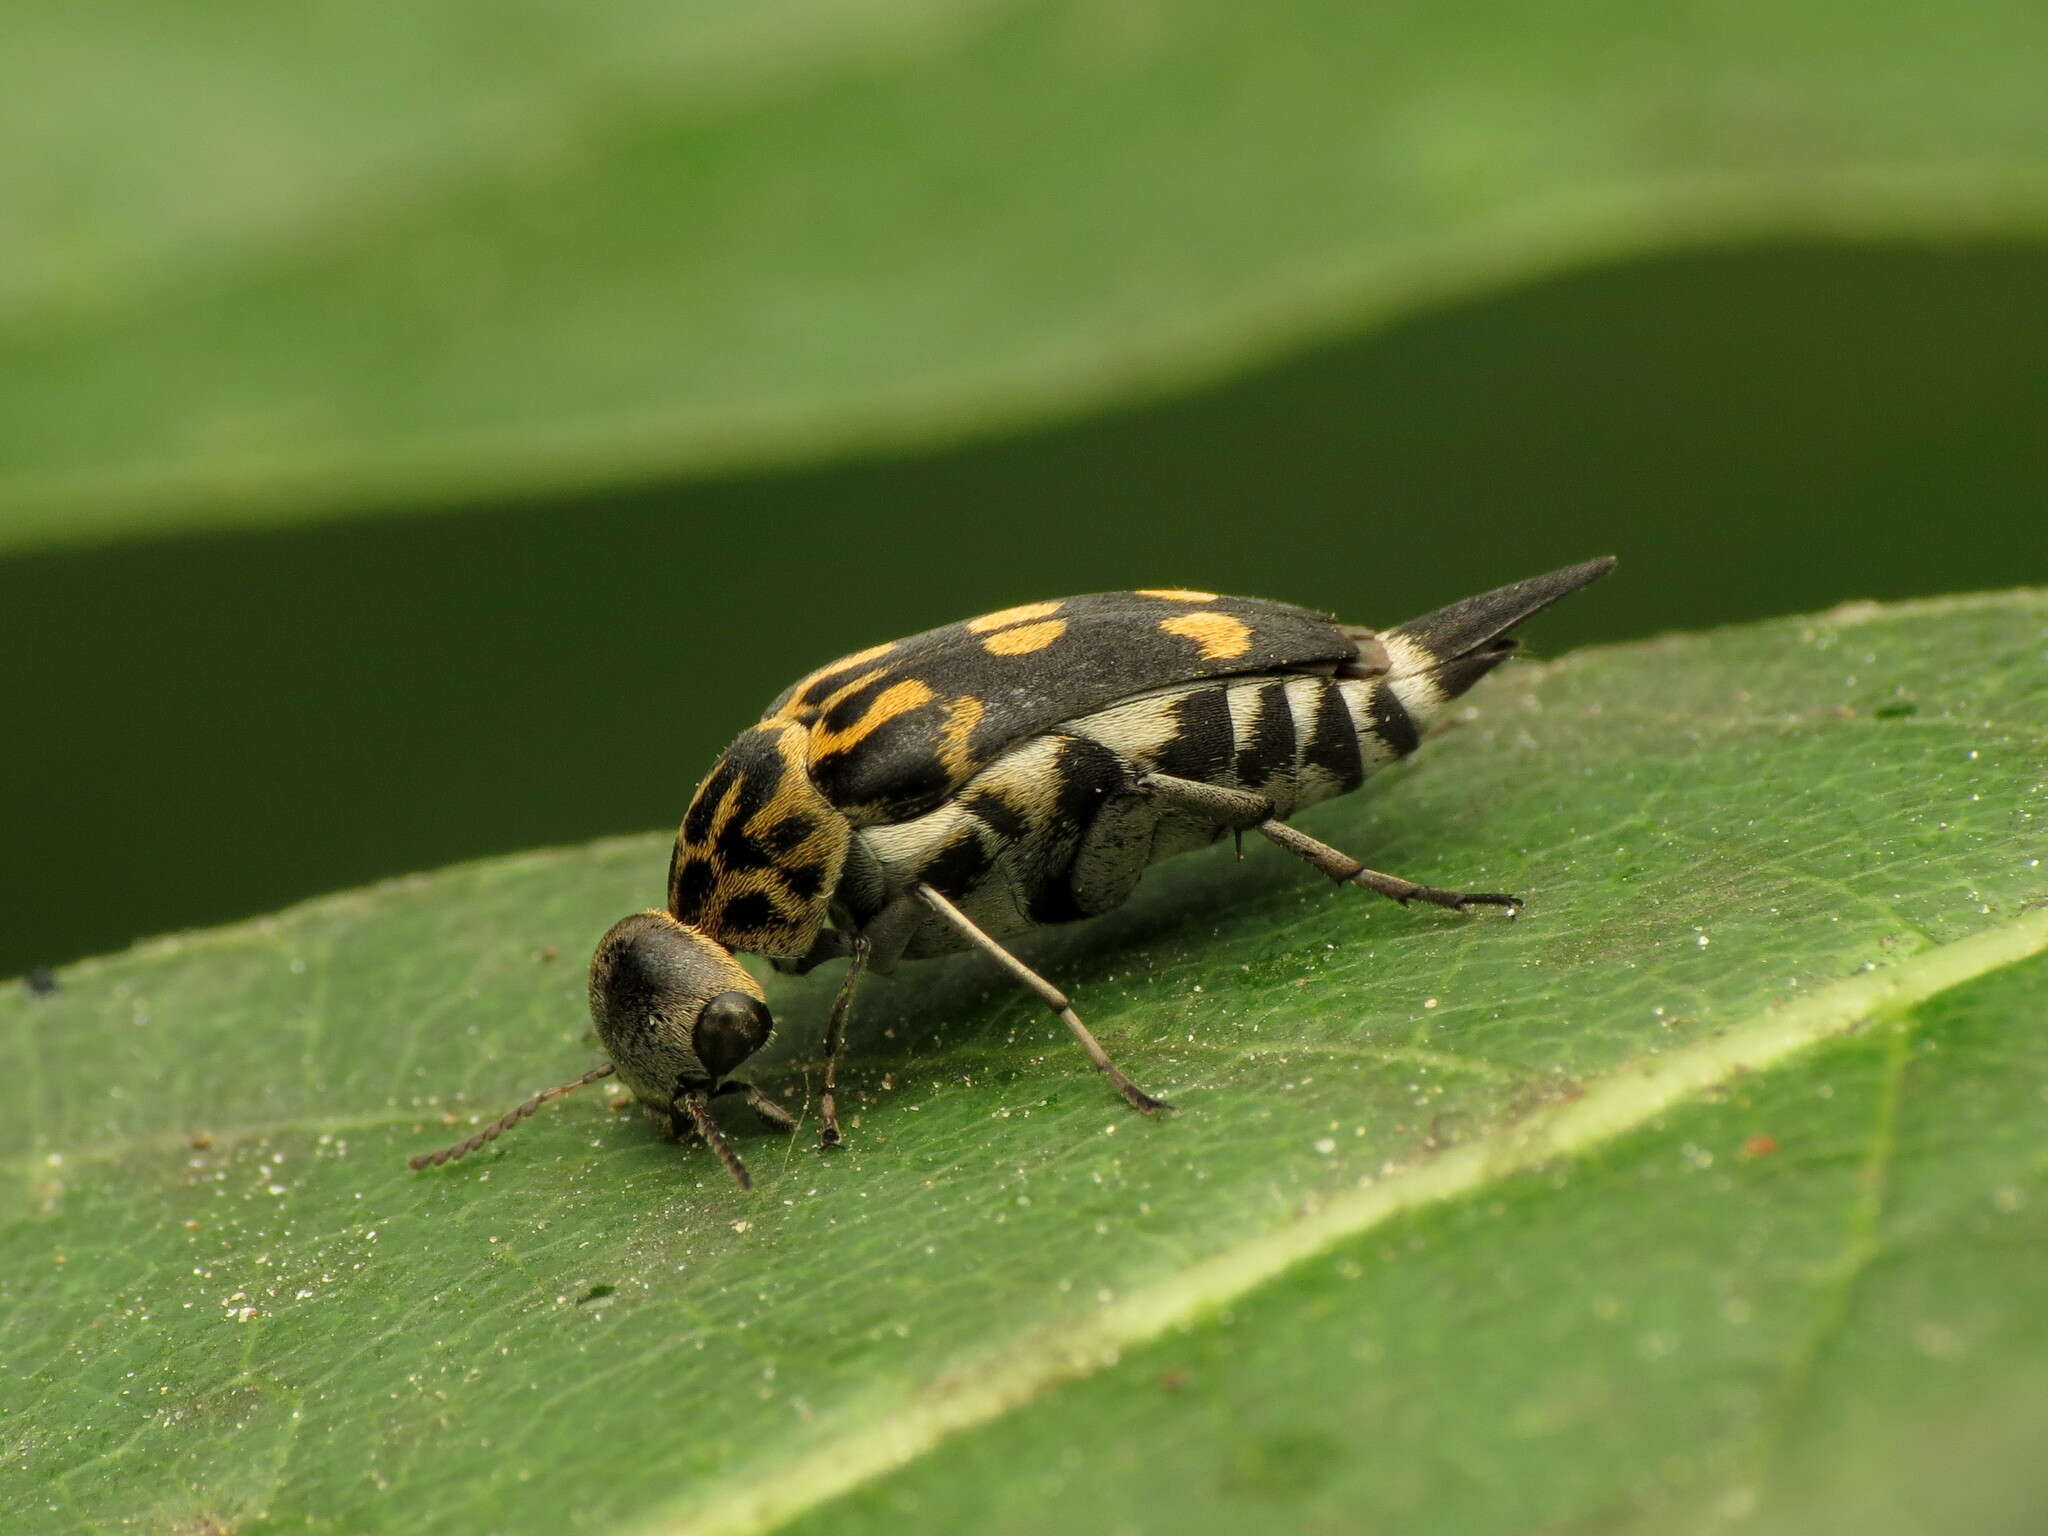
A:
(760, 850)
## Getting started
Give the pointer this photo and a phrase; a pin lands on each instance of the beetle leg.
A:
(831, 944)
(1240, 808)
(697, 1108)
(1237, 809)
(877, 946)
(1342, 867)
(1048, 994)
(835, 1039)
(771, 1114)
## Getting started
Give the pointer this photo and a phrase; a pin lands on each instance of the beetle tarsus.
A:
(698, 1108)
(1143, 1102)
(770, 1113)
(1405, 891)
(1345, 870)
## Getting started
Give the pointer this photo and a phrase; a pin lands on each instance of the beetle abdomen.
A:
(1052, 831)
(1295, 740)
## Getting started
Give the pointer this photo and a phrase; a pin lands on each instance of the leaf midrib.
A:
(741, 1503)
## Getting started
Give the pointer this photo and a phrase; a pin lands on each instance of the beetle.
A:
(1008, 772)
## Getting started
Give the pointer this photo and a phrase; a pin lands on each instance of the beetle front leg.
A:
(766, 1110)
(1239, 809)
(880, 945)
(835, 1040)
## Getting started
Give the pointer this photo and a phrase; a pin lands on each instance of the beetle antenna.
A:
(700, 1116)
(505, 1122)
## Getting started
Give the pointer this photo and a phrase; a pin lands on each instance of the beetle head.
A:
(675, 1011)
(677, 1014)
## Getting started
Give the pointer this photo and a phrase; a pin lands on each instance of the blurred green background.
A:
(211, 726)
(677, 351)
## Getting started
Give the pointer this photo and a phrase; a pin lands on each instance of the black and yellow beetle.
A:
(993, 776)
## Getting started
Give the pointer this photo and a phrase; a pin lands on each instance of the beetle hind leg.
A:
(1345, 870)
(1242, 809)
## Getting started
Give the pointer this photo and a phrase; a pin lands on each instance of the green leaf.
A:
(1710, 1190)
(267, 263)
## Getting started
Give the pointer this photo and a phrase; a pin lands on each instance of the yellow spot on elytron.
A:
(870, 654)
(1004, 618)
(1022, 642)
(1177, 594)
(899, 699)
(800, 701)
(846, 690)
(1218, 634)
(960, 724)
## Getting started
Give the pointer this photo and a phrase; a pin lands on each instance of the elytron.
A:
(1009, 772)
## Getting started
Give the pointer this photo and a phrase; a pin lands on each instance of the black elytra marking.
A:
(781, 838)
(806, 881)
(689, 886)
(845, 714)
(804, 695)
(894, 774)
(1270, 750)
(748, 911)
(704, 804)
(1333, 744)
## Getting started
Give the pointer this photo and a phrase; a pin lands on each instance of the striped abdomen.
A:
(1051, 832)
(1295, 739)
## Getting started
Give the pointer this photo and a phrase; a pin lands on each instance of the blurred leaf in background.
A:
(267, 263)
(699, 343)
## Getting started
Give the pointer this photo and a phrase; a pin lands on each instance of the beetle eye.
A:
(731, 1028)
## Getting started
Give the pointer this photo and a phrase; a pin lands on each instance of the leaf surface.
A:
(1705, 1192)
